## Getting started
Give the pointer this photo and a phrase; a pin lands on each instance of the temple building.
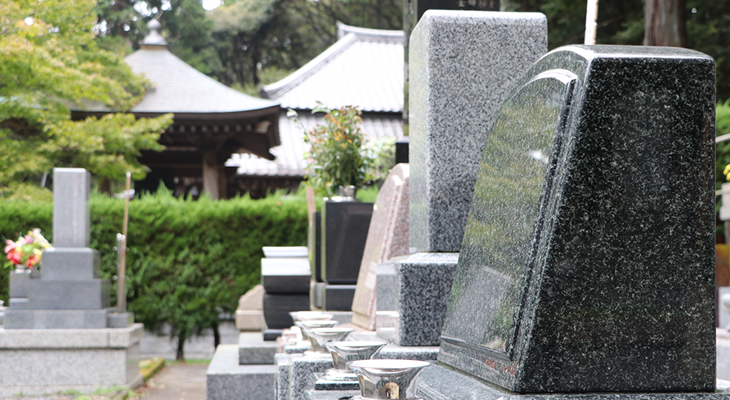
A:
(211, 122)
(364, 68)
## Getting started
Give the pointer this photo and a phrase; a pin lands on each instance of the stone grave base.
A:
(252, 349)
(38, 361)
(412, 294)
(444, 383)
(226, 379)
(294, 375)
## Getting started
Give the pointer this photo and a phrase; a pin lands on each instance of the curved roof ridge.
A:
(368, 34)
(277, 89)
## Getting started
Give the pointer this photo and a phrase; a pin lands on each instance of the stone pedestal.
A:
(35, 361)
(412, 294)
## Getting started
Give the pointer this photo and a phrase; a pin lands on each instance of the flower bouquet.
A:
(337, 153)
(26, 252)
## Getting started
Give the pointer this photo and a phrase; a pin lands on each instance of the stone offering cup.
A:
(314, 324)
(320, 336)
(386, 379)
(344, 352)
(310, 316)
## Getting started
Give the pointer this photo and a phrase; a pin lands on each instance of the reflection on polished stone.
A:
(588, 259)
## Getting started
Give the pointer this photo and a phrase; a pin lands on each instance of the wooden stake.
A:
(122, 270)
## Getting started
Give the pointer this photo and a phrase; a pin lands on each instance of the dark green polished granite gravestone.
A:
(588, 259)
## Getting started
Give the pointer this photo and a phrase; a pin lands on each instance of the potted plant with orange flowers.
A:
(26, 253)
(339, 164)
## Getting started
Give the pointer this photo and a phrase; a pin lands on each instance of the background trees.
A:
(49, 60)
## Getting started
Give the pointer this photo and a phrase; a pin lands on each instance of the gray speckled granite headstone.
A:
(588, 259)
(462, 66)
(71, 212)
(69, 293)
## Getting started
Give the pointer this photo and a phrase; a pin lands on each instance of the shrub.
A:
(188, 261)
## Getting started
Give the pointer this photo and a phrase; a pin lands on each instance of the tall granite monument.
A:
(588, 260)
(69, 294)
(463, 65)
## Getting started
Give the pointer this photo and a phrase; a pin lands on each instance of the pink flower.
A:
(9, 245)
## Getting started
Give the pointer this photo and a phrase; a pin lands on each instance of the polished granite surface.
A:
(588, 259)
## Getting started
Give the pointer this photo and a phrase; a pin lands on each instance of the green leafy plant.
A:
(188, 261)
(337, 154)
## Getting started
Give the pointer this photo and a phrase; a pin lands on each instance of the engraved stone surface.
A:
(463, 65)
(588, 259)
(71, 213)
(387, 238)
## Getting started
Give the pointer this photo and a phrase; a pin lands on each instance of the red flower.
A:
(14, 256)
(32, 260)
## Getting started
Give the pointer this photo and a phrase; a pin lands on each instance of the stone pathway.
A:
(176, 382)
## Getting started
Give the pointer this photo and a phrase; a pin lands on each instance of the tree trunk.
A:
(180, 348)
(664, 23)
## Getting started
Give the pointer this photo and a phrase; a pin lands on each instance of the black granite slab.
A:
(278, 306)
(345, 227)
(338, 297)
(588, 259)
(314, 243)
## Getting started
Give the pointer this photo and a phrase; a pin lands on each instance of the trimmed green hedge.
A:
(188, 261)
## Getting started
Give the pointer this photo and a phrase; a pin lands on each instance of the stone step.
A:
(226, 379)
(253, 350)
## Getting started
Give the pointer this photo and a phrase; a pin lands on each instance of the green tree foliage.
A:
(188, 261)
(622, 22)
(122, 25)
(48, 60)
(255, 35)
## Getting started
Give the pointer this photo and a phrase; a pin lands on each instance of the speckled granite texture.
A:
(322, 383)
(462, 66)
(387, 238)
(588, 259)
(413, 292)
(302, 368)
(283, 375)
